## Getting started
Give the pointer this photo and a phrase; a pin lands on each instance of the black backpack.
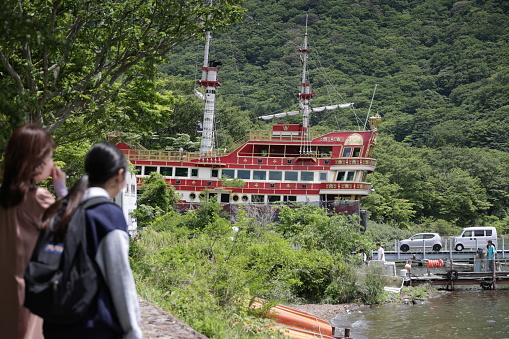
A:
(60, 279)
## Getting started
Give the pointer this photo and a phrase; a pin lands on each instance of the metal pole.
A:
(494, 273)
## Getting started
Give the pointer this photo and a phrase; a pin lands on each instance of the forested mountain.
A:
(441, 73)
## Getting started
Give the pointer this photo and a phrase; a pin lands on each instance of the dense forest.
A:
(441, 75)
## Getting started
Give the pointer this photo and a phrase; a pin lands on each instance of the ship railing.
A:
(353, 161)
(348, 185)
(270, 135)
(148, 155)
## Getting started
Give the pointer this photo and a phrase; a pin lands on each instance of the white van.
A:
(475, 237)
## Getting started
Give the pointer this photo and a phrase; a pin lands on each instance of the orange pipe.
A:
(299, 320)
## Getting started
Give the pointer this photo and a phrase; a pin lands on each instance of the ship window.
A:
(228, 172)
(356, 152)
(243, 174)
(341, 176)
(289, 161)
(350, 175)
(257, 198)
(289, 198)
(225, 197)
(245, 198)
(275, 175)
(166, 171)
(192, 196)
(181, 171)
(326, 162)
(209, 183)
(150, 169)
(351, 152)
(215, 173)
(274, 198)
(138, 169)
(260, 161)
(235, 198)
(272, 185)
(304, 185)
(345, 176)
(177, 182)
(291, 176)
(259, 175)
(194, 172)
(307, 176)
(323, 176)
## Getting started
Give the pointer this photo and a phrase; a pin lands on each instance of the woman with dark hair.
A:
(114, 312)
(28, 159)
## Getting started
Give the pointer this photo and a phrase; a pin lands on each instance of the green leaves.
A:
(71, 60)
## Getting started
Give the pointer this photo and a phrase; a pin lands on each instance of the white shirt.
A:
(381, 253)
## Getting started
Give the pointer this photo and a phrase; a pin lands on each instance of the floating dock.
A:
(482, 275)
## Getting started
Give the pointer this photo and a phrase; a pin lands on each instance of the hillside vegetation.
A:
(442, 81)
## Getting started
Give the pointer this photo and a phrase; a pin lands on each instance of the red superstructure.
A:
(287, 163)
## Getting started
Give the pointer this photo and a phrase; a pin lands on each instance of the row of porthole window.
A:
(244, 198)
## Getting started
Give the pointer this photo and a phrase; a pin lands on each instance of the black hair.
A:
(102, 162)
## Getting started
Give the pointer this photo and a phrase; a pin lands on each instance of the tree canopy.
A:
(72, 63)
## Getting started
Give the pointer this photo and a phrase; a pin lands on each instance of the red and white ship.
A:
(289, 163)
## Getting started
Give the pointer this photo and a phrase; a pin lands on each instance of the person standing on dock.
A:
(491, 255)
(381, 252)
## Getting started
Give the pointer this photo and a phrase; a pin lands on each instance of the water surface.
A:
(458, 314)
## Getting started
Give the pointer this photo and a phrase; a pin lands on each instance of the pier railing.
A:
(447, 250)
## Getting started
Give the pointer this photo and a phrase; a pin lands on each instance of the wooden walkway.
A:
(485, 280)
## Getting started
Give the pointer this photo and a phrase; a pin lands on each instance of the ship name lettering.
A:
(331, 139)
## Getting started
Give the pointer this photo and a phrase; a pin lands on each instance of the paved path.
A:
(156, 323)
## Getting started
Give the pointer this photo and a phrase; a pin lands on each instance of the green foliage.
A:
(156, 199)
(310, 227)
(226, 181)
(386, 233)
(419, 292)
(62, 59)
(207, 272)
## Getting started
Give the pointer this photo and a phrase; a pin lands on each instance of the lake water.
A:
(459, 314)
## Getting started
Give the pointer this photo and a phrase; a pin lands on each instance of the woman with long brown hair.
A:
(28, 159)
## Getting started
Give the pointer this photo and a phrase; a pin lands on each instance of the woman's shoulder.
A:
(108, 214)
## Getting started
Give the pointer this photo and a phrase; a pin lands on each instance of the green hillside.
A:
(442, 77)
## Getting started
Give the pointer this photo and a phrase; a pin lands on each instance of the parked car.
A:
(429, 240)
(475, 237)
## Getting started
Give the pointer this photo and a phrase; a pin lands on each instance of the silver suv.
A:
(417, 241)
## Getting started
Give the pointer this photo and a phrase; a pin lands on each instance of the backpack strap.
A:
(95, 201)
(76, 231)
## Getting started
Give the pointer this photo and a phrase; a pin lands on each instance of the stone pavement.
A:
(156, 323)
